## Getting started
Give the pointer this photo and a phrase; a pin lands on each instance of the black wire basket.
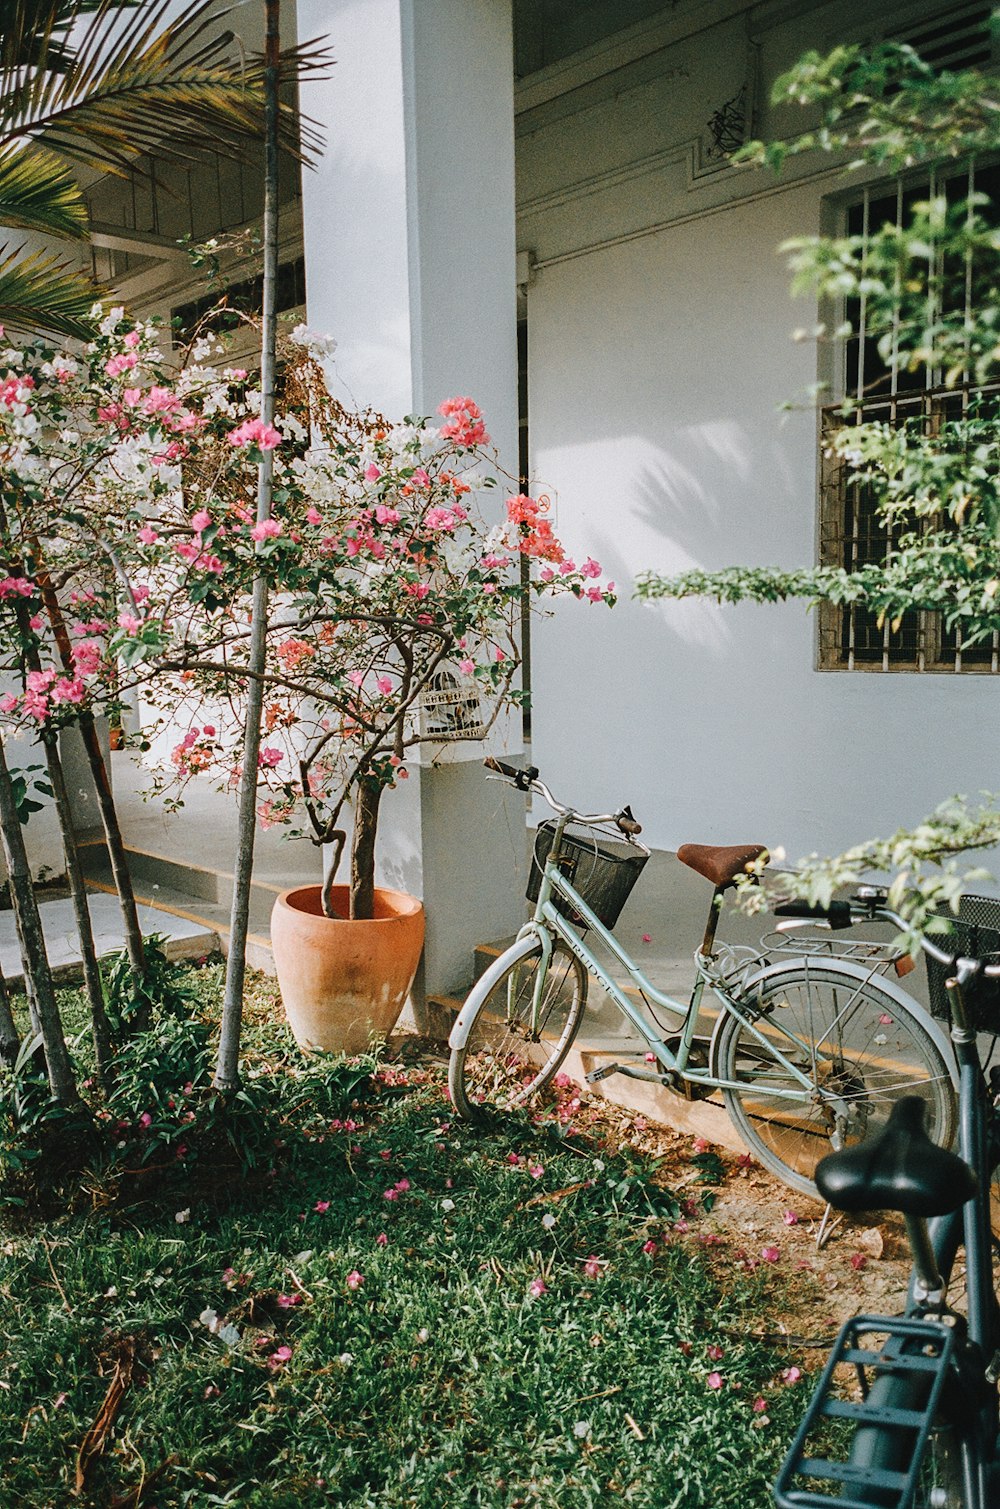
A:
(974, 934)
(603, 871)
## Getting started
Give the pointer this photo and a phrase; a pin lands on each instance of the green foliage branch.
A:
(934, 479)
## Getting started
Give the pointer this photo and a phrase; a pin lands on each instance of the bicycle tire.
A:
(500, 1065)
(853, 1038)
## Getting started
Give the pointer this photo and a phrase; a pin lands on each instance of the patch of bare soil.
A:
(757, 1225)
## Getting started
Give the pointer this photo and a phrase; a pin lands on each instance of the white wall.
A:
(657, 365)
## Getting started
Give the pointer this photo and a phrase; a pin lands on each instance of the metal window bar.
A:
(851, 533)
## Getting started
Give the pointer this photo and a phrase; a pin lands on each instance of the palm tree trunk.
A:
(227, 1068)
(37, 973)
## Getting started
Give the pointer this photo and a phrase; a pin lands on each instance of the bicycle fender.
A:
(858, 972)
(485, 983)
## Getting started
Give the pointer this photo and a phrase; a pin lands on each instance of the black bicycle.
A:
(905, 1414)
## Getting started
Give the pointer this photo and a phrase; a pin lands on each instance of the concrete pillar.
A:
(410, 265)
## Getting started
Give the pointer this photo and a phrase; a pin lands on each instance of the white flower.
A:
(581, 1429)
(210, 1319)
(447, 1205)
(345, 1359)
(548, 1220)
(423, 1334)
(182, 1217)
(316, 344)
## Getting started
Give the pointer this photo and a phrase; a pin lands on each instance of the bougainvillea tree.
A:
(129, 481)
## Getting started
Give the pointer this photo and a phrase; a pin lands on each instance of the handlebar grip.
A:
(522, 778)
(838, 913)
(627, 824)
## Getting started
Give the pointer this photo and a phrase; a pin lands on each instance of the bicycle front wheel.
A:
(860, 1048)
(520, 1034)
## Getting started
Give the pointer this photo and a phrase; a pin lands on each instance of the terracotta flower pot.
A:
(344, 981)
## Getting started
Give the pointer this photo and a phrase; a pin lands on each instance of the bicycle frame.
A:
(969, 1226)
(548, 920)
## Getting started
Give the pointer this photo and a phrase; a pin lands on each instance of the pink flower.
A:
(116, 365)
(255, 431)
(715, 1352)
(313, 516)
(770, 1254)
(858, 1261)
(790, 1218)
(267, 529)
(384, 684)
(759, 1405)
(714, 1380)
(381, 1240)
(288, 1301)
(647, 937)
(511, 1157)
(322, 1206)
(590, 568)
(592, 1267)
(885, 1020)
(744, 1160)
(791, 1375)
(148, 535)
(700, 1144)
(465, 422)
(145, 1119)
(278, 1358)
(201, 520)
(402, 1185)
(536, 1170)
(466, 666)
(649, 1247)
(390, 1194)
(269, 758)
(537, 1287)
(131, 340)
(354, 1279)
(129, 623)
(372, 472)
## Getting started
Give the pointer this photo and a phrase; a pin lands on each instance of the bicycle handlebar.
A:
(528, 779)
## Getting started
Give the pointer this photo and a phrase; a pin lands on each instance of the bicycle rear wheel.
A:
(862, 1049)
(511, 1051)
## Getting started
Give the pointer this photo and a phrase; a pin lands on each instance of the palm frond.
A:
(139, 84)
(37, 33)
(39, 193)
(42, 295)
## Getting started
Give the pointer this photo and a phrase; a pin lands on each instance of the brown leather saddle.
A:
(721, 865)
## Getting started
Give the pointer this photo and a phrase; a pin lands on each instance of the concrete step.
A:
(183, 937)
(155, 895)
(154, 871)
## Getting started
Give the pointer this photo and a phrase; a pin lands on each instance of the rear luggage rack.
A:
(919, 1349)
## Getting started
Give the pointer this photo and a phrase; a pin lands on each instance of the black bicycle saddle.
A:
(899, 1168)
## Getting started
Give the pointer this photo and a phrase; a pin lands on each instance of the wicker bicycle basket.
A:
(603, 872)
(974, 934)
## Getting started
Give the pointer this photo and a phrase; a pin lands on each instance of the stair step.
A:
(186, 890)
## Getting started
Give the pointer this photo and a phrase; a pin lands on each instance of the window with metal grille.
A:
(852, 534)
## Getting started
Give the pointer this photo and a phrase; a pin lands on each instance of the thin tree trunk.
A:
(363, 849)
(102, 782)
(81, 911)
(37, 974)
(227, 1068)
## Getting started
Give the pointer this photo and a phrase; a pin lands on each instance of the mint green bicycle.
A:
(810, 1053)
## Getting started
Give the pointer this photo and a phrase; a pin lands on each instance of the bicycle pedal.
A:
(873, 1346)
(602, 1073)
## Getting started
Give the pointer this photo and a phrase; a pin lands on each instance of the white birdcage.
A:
(450, 710)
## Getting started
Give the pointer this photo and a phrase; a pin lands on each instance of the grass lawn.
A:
(394, 1310)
